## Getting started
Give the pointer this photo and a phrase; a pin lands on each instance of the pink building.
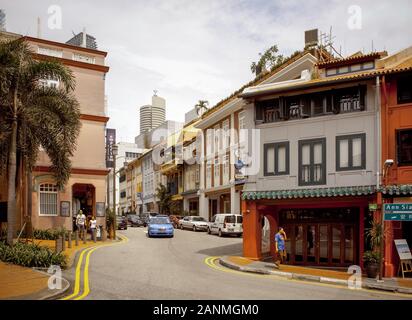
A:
(86, 188)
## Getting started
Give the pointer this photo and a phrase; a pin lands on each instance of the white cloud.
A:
(192, 49)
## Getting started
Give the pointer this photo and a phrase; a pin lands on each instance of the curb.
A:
(305, 277)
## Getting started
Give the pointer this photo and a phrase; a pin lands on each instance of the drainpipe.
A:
(378, 166)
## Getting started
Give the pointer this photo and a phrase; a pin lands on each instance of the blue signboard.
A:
(398, 211)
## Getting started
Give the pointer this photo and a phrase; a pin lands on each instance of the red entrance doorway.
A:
(84, 198)
(321, 236)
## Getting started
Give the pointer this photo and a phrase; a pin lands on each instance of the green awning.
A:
(310, 193)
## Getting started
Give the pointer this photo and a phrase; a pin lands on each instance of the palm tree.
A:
(34, 115)
(201, 107)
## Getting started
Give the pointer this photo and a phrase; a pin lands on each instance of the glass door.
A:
(311, 244)
(324, 244)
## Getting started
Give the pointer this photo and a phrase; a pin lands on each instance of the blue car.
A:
(160, 226)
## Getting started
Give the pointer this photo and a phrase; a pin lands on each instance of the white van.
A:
(226, 223)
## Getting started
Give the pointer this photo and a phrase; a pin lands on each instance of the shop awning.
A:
(310, 193)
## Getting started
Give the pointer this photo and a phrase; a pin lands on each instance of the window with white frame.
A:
(225, 134)
(216, 170)
(48, 199)
(50, 52)
(50, 83)
(242, 126)
(217, 138)
(208, 175)
(209, 142)
(83, 58)
(226, 169)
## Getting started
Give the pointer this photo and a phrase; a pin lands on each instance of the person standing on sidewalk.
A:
(93, 225)
(280, 249)
(80, 222)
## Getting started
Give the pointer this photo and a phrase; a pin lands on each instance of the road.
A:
(175, 268)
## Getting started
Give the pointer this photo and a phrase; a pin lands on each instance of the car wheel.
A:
(194, 228)
(181, 227)
(220, 234)
(240, 235)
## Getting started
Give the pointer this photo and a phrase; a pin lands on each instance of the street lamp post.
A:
(115, 152)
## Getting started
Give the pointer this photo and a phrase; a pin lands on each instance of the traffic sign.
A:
(398, 211)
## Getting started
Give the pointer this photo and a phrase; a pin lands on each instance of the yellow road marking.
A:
(211, 262)
(77, 282)
(86, 286)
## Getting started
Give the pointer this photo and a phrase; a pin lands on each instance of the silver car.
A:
(194, 223)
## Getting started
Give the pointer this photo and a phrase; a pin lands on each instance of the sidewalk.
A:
(22, 283)
(314, 274)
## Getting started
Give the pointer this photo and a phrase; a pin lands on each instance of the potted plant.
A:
(371, 259)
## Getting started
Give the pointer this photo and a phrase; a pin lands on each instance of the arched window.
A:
(48, 199)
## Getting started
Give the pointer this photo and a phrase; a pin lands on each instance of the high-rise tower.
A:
(152, 116)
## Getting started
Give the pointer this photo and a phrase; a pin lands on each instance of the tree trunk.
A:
(11, 191)
(11, 195)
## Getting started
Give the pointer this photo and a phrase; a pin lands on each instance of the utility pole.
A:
(115, 151)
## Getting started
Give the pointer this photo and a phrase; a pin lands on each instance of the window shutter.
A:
(258, 112)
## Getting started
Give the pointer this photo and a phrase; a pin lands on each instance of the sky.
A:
(191, 50)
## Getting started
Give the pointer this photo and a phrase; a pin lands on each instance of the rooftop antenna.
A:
(372, 47)
(84, 44)
(38, 27)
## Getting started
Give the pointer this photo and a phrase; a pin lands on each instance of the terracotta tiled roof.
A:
(353, 58)
(402, 67)
(257, 80)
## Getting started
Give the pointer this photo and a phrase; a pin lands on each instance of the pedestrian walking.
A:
(80, 222)
(280, 239)
(93, 225)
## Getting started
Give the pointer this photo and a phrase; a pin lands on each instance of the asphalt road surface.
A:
(175, 268)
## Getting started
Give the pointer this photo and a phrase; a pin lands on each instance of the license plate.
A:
(162, 229)
(231, 229)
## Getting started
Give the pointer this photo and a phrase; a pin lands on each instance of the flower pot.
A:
(372, 269)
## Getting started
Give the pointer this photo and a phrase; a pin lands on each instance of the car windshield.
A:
(159, 220)
(230, 219)
(198, 219)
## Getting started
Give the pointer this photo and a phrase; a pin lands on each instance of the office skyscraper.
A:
(152, 116)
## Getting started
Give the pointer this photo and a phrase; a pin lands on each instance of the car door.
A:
(185, 222)
(213, 224)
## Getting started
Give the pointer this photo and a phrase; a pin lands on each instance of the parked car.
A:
(135, 221)
(175, 220)
(121, 223)
(194, 223)
(129, 217)
(160, 225)
(145, 219)
(226, 224)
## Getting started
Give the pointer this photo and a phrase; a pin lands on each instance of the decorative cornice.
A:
(94, 172)
(92, 117)
(65, 45)
(73, 63)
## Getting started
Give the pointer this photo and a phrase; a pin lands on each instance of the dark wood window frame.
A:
(398, 148)
(403, 82)
(350, 138)
(311, 143)
(276, 146)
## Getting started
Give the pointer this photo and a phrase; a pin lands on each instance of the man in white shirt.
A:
(80, 221)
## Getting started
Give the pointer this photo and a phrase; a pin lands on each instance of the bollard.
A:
(76, 238)
(104, 235)
(58, 245)
(63, 241)
(69, 240)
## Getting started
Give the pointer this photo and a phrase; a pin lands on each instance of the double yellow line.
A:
(86, 287)
(212, 262)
